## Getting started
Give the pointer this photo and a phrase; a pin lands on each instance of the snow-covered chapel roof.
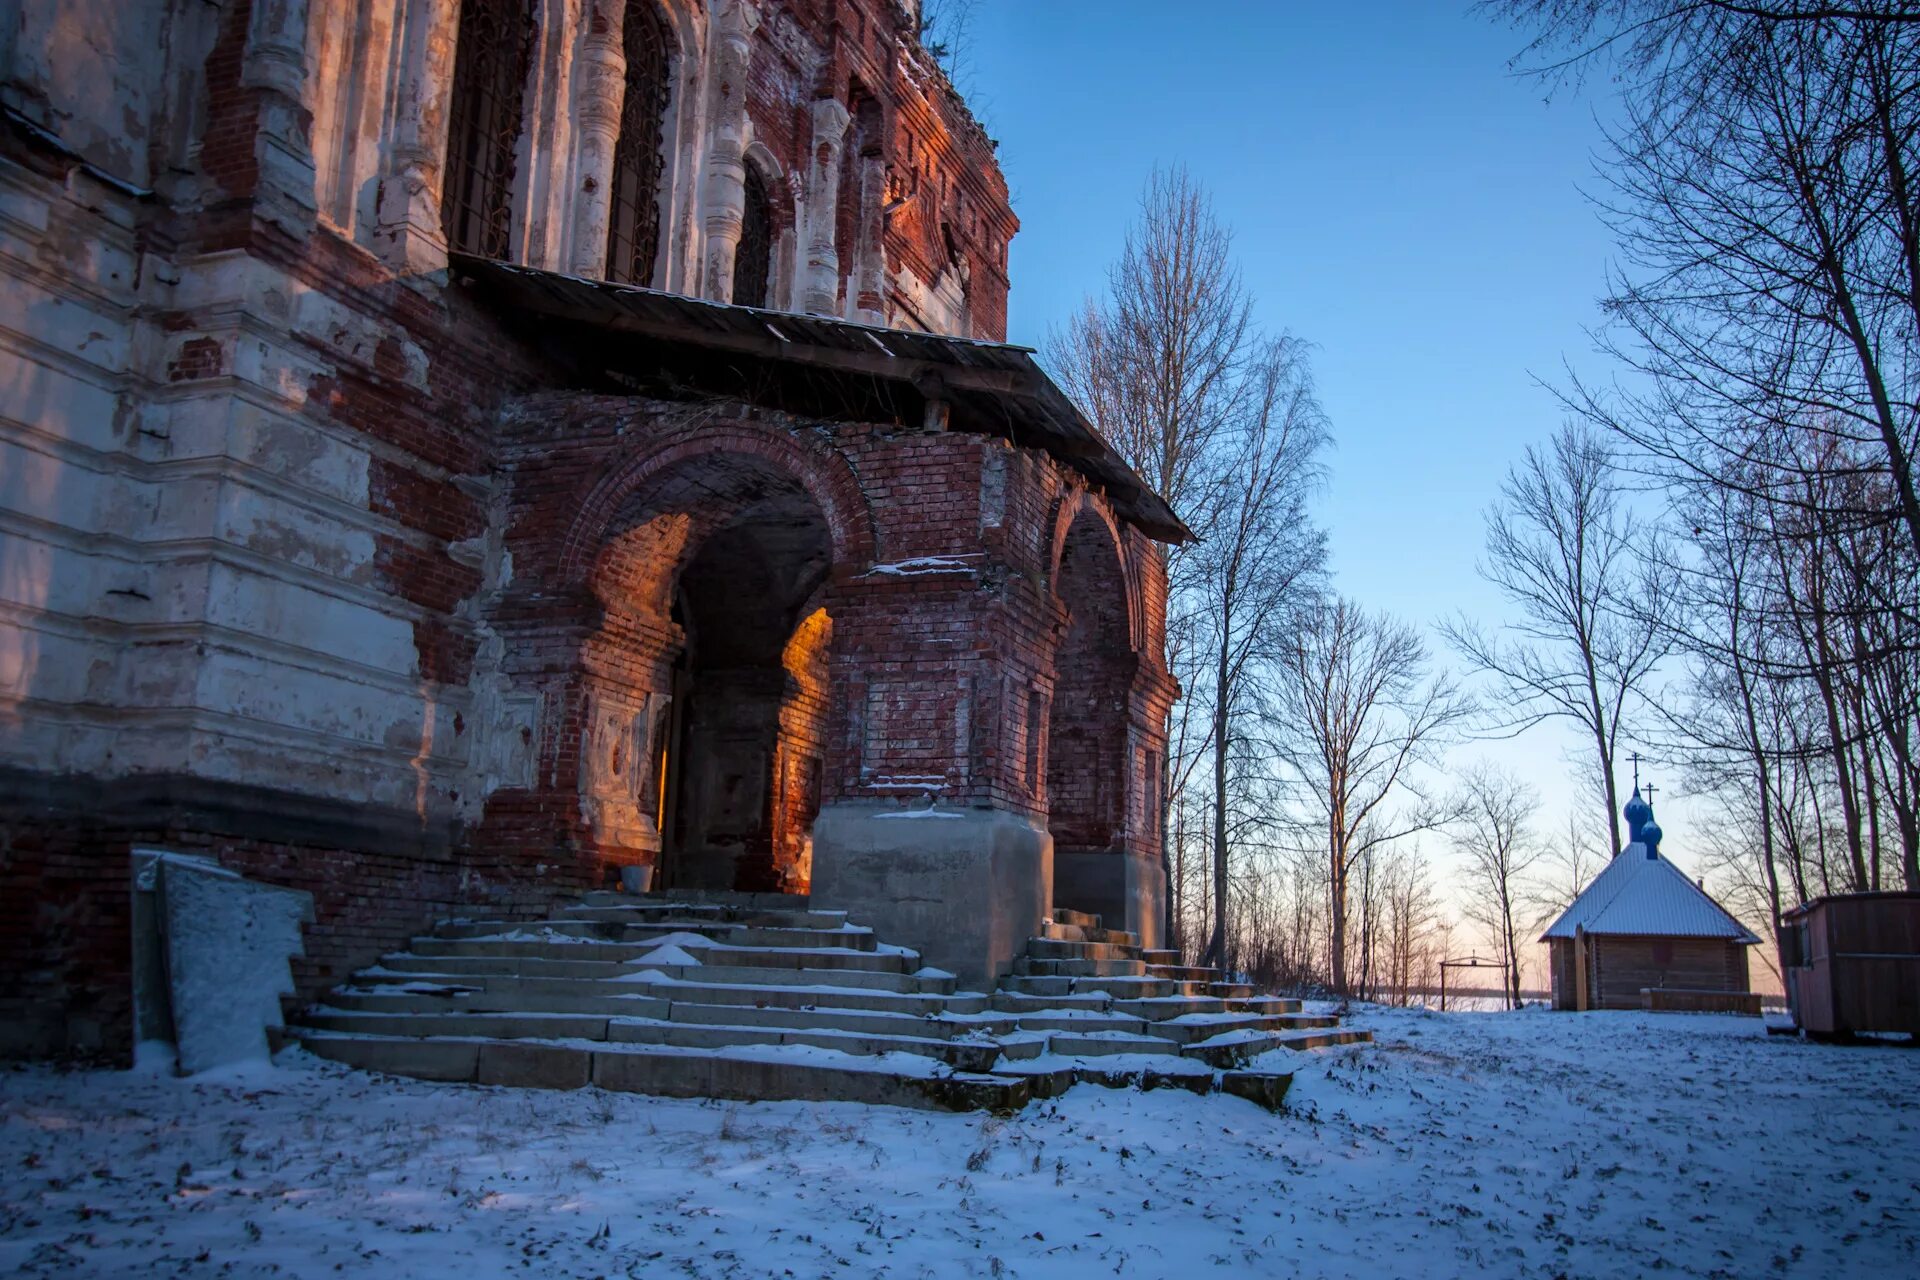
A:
(1642, 894)
(1647, 895)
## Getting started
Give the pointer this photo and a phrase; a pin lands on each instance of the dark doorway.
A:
(713, 647)
(1087, 740)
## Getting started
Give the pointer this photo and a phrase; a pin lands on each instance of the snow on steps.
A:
(760, 997)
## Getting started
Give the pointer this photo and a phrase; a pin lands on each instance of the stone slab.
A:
(1265, 1088)
(534, 1066)
(449, 1060)
(227, 943)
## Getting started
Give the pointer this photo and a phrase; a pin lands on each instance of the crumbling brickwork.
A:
(314, 560)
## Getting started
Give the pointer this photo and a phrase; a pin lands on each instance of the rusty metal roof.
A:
(993, 388)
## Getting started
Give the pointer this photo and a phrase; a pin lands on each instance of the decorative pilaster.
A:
(409, 235)
(600, 88)
(275, 67)
(822, 293)
(869, 264)
(726, 174)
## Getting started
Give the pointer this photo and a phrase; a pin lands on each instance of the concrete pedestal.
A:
(1126, 890)
(965, 887)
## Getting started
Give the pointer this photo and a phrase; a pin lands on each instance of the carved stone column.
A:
(409, 233)
(600, 90)
(275, 67)
(726, 174)
(822, 294)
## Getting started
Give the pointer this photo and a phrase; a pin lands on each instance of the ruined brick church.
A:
(454, 450)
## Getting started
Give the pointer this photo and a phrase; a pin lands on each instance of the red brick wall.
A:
(943, 177)
(921, 676)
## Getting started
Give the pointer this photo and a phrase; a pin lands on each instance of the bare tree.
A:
(946, 31)
(1365, 716)
(1254, 576)
(1496, 839)
(1763, 191)
(1224, 424)
(1158, 365)
(1569, 867)
(1562, 544)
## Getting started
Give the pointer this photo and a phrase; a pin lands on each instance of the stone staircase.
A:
(760, 996)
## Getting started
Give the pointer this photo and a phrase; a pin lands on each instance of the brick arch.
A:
(826, 476)
(1068, 509)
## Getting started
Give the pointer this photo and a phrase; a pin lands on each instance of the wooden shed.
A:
(1642, 935)
(1853, 963)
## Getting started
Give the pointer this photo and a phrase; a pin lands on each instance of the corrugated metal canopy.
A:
(1647, 897)
(993, 388)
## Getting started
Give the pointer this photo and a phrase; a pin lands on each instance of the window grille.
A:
(489, 80)
(753, 260)
(633, 238)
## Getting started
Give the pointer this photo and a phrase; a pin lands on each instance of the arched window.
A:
(633, 236)
(753, 260)
(489, 79)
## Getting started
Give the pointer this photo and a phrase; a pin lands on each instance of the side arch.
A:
(1068, 509)
(827, 477)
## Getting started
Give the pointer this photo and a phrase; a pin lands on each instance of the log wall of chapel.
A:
(255, 490)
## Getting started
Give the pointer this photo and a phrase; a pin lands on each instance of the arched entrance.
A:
(1087, 738)
(706, 679)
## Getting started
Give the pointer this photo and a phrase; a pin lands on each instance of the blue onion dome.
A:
(1637, 813)
(1650, 837)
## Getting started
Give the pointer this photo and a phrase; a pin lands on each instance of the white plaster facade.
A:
(190, 541)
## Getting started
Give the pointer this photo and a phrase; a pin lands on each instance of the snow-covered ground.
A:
(1528, 1143)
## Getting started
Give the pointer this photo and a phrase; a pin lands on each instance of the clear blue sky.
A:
(1400, 200)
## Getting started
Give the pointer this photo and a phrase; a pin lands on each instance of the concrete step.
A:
(791, 1002)
(1184, 972)
(1077, 1023)
(1028, 966)
(1061, 915)
(1086, 933)
(698, 898)
(1056, 949)
(610, 949)
(475, 967)
(1051, 1076)
(873, 1021)
(1233, 1048)
(1014, 1002)
(1102, 1044)
(843, 936)
(846, 937)
(1160, 957)
(679, 913)
(489, 1026)
(743, 1073)
(528, 930)
(394, 999)
(893, 960)
(697, 989)
(767, 975)
(966, 1054)
(1309, 1040)
(1157, 1008)
(1122, 986)
(1194, 1028)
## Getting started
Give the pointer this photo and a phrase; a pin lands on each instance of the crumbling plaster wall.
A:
(256, 578)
